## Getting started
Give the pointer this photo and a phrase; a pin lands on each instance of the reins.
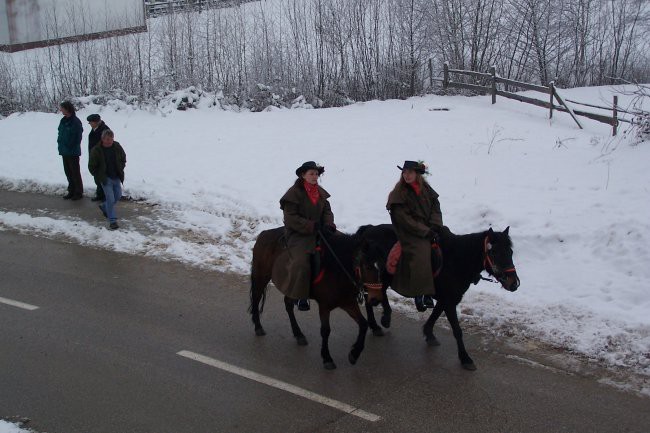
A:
(338, 261)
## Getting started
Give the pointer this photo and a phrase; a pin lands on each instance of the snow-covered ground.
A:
(577, 201)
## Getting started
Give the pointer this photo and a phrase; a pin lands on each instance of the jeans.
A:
(73, 173)
(113, 192)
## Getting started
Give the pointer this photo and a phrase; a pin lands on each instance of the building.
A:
(26, 24)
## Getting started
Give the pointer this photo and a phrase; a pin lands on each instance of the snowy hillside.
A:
(577, 201)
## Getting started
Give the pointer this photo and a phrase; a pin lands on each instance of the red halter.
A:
(487, 261)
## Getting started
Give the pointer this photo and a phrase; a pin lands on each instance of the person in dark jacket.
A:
(106, 164)
(94, 138)
(416, 216)
(69, 143)
(306, 212)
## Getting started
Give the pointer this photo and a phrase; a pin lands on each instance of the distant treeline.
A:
(333, 51)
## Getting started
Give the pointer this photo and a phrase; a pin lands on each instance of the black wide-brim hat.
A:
(413, 165)
(309, 165)
(93, 118)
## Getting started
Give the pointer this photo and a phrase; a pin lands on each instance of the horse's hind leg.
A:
(452, 317)
(427, 329)
(258, 286)
(352, 308)
(300, 338)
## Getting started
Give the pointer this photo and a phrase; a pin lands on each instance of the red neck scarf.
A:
(416, 187)
(312, 192)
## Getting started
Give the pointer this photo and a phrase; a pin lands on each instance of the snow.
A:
(577, 201)
(8, 427)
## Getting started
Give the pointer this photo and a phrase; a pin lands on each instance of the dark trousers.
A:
(73, 173)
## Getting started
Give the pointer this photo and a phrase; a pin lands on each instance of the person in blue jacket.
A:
(69, 141)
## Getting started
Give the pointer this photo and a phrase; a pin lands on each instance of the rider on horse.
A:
(306, 212)
(416, 216)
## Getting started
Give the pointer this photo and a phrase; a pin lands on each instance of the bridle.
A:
(492, 269)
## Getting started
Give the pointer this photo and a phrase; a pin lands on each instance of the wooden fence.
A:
(156, 8)
(488, 83)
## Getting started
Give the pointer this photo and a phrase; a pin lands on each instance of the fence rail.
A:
(159, 7)
(488, 84)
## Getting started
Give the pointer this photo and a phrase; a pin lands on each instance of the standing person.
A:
(306, 211)
(69, 143)
(106, 164)
(415, 212)
(94, 138)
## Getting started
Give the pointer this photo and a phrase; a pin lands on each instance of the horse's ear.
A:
(506, 230)
(490, 232)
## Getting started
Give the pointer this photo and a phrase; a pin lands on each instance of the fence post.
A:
(445, 82)
(430, 72)
(551, 90)
(493, 71)
(615, 116)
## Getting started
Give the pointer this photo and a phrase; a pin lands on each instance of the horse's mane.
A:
(344, 246)
(463, 247)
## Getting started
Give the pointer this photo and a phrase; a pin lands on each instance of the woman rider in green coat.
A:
(306, 211)
(415, 212)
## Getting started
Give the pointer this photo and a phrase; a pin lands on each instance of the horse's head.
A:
(498, 259)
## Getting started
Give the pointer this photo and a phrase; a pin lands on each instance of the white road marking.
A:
(275, 383)
(18, 304)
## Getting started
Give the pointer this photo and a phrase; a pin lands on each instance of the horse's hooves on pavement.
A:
(378, 332)
(353, 359)
(432, 341)
(301, 340)
(385, 322)
(329, 365)
(260, 332)
(469, 366)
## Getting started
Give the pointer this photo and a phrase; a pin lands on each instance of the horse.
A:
(343, 256)
(465, 257)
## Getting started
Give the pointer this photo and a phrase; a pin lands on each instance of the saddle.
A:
(396, 253)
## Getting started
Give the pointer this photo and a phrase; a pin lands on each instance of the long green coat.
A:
(413, 216)
(292, 270)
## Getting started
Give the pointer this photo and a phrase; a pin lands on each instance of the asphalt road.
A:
(100, 354)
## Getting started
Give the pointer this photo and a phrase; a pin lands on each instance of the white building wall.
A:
(28, 21)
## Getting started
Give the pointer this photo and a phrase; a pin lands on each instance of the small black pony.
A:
(337, 288)
(464, 258)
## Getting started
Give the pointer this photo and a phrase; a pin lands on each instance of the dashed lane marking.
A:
(275, 383)
(18, 304)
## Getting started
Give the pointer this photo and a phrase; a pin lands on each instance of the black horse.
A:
(351, 263)
(465, 257)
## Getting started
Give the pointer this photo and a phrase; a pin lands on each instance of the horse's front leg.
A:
(372, 322)
(324, 313)
(452, 317)
(297, 332)
(352, 308)
(387, 311)
(427, 329)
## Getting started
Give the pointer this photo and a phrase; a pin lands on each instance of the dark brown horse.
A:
(465, 257)
(349, 262)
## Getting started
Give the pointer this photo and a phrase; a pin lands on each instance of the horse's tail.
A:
(252, 291)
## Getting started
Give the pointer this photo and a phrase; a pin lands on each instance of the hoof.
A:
(353, 359)
(260, 331)
(329, 365)
(385, 321)
(301, 340)
(378, 332)
(469, 366)
(432, 341)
